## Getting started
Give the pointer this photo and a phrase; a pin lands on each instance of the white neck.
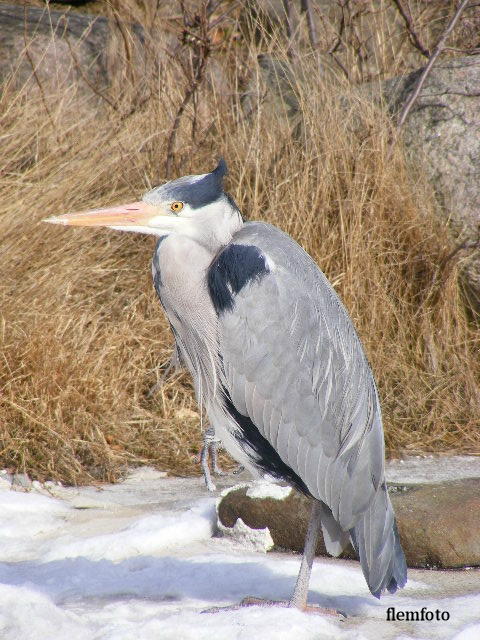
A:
(212, 226)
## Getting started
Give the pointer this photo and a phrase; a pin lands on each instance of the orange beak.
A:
(123, 215)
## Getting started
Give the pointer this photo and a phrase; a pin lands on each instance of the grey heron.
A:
(276, 363)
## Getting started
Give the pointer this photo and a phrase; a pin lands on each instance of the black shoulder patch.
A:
(231, 270)
(267, 457)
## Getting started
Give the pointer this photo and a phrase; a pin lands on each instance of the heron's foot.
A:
(209, 453)
(213, 448)
(252, 601)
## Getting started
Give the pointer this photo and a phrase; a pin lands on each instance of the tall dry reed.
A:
(83, 337)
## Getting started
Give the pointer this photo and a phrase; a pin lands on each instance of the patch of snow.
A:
(26, 518)
(26, 614)
(264, 489)
(235, 487)
(252, 539)
(148, 535)
(145, 564)
(472, 632)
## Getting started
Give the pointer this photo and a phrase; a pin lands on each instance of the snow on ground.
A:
(141, 560)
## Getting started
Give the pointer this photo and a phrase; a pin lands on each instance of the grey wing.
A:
(295, 366)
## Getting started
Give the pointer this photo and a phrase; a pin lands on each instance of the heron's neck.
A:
(215, 225)
(179, 269)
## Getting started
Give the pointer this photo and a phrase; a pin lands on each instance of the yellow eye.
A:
(176, 206)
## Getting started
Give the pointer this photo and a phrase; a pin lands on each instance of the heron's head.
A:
(194, 206)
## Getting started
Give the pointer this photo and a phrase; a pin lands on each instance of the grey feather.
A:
(323, 416)
(334, 537)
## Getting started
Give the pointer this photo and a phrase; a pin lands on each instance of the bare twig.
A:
(338, 41)
(312, 31)
(338, 37)
(287, 7)
(407, 17)
(195, 115)
(425, 73)
(436, 52)
(226, 13)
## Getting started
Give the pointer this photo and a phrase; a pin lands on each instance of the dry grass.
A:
(82, 335)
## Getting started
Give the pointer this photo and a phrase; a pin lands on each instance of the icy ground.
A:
(142, 560)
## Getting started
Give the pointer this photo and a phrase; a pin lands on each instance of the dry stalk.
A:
(289, 29)
(312, 31)
(415, 40)
(470, 52)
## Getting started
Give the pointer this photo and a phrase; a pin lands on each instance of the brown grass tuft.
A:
(83, 337)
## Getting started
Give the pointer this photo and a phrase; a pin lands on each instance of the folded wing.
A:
(294, 366)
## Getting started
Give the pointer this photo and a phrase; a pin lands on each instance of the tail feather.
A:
(334, 537)
(376, 540)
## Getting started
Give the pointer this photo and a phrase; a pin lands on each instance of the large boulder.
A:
(62, 48)
(442, 134)
(51, 51)
(438, 523)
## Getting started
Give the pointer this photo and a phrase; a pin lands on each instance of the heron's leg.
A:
(208, 438)
(217, 471)
(214, 455)
(208, 451)
(300, 593)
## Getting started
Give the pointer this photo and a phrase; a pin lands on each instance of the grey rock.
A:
(56, 50)
(82, 56)
(438, 524)
(286, 519)
(34, 36)
(277, 85)
(442, 132)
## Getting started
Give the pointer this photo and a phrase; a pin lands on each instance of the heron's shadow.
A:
(168, 578)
